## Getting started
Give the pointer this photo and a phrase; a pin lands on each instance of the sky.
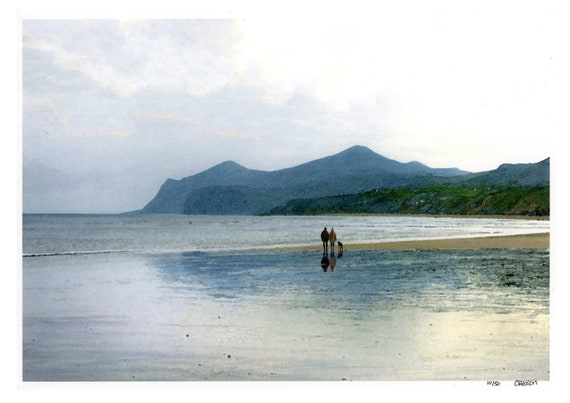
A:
(113, 106)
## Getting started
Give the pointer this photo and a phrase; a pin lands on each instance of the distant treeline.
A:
(444, 199)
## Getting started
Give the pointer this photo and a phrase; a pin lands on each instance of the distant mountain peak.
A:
(230, 164)
(227, 166)
(358, 147)
(358, 150)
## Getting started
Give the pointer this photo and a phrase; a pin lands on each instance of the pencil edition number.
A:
(493, 383)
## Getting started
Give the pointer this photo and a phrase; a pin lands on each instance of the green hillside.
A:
(444, 199)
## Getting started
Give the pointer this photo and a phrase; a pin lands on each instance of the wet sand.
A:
(527, 241)
(387, 315)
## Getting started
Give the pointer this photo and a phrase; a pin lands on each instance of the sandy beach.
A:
(527, 241)
(532, 241)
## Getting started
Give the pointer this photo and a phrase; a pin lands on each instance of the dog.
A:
(340, 248)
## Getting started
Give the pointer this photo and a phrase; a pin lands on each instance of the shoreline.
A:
(476, 216)
(497, 216)
(524, 241)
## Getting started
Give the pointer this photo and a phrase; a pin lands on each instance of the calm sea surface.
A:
(53, 234)
(184, 298)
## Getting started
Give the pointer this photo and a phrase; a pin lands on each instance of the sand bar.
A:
(539, 241)
(526, 241)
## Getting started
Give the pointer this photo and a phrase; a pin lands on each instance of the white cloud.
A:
(446, 61)
(127, 57)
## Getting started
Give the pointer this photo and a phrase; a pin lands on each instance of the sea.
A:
(138, 298)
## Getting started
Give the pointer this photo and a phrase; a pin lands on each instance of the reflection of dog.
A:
(340, 248)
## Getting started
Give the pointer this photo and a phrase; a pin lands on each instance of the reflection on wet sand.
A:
(328, 261)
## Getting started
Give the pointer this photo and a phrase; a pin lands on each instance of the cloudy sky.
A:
(111, 108)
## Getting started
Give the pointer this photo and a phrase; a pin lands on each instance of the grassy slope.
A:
(436, 199)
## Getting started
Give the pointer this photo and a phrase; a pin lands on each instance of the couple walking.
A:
(328, 237)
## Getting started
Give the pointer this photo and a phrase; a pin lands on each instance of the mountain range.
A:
(230, 188)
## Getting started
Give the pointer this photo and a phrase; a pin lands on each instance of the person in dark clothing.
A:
(325, 239)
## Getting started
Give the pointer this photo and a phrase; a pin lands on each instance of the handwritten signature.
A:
(526, 382)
